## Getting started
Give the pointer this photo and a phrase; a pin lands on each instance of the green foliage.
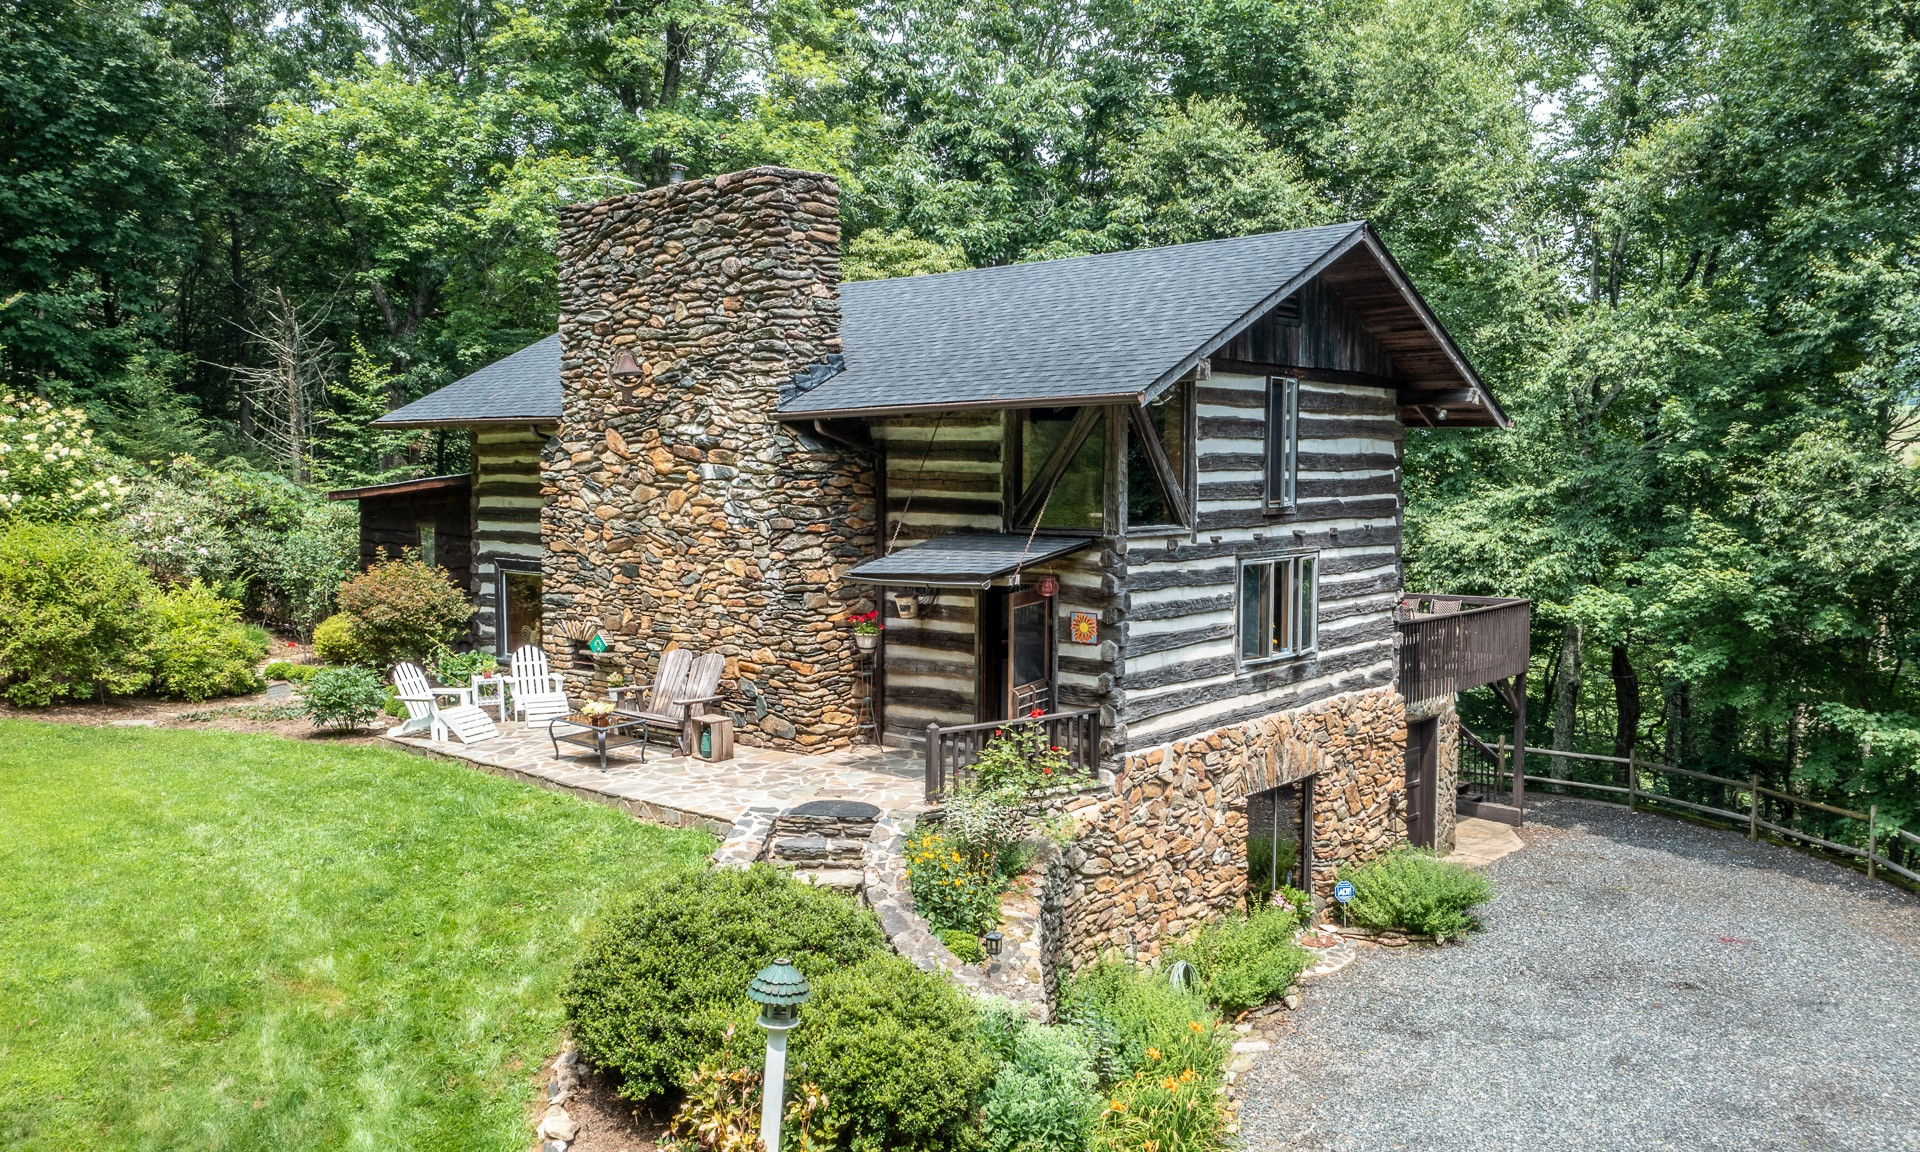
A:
(1411, 889)
(898, 1054)
(954, 890)
(73, 623)
(199, 647)
(291, 673)
(402, 609)
(964, 945)
(1245, 961)
(50, 467)
(1161, 1109)
(664, 975)
(345, 697)
(1019, 757)
(459, 668)
(1137, 1020)
(1042, 1098)
(336, 642)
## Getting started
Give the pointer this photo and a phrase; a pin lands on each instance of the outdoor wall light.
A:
(779, 989)
(991, 942)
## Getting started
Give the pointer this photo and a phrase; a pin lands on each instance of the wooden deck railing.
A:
(1451, 643)
(1743, 805)
(952, 752)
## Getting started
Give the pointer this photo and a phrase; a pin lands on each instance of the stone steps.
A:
(824, 842)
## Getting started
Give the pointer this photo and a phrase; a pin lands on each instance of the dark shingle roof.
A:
(523, 387)
(1059, 331)
(966, 558)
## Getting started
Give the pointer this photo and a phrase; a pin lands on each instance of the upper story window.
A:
(1283, 441)
(1062, 456)
(1279, 604)
(1158, 455)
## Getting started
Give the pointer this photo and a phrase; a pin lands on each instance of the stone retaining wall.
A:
(679, 512)
(1165, 848)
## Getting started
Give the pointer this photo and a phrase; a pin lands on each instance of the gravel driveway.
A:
(1642, 983)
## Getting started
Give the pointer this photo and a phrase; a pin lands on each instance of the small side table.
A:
(491, 692)
(719, 732)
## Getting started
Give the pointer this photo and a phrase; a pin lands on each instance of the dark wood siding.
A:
(390, 524)
(506, 514)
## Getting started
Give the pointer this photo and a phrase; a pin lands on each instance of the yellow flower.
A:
(1153, 1053)
(1195, 1025)
(1119, 1105)
(1186, 1076)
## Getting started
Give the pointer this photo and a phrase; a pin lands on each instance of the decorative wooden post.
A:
(1753, 812)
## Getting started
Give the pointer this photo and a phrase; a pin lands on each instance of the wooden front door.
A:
(1422, 784)
(1016, 653)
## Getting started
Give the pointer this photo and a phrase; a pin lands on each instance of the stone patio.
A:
(686, 791)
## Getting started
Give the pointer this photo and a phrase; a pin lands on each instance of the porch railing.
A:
(1740, 805)
(952, 752)
(1451, 643)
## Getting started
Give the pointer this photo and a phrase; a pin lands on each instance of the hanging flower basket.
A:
(866, 630)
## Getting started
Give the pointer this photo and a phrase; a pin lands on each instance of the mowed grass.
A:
(217, 941)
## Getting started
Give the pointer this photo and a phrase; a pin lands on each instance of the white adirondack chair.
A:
(538, 692)
(463, 718)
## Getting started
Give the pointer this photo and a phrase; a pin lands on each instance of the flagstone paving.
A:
(688, 791)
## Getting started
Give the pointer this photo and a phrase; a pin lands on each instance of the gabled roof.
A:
(404, 487)
(1066, 331)
(1116, 327)
(523, 388)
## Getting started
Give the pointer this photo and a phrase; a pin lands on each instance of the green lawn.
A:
(216, 941)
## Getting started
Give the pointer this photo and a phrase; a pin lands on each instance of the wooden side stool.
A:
(718, 732)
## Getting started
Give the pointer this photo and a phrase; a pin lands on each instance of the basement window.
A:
(1279, 601)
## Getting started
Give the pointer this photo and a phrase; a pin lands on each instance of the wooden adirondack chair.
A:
(464, 718)
(684, 681)
(537, 691)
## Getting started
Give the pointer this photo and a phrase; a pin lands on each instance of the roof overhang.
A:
(967, 560)
(403, 487)
(543, 421)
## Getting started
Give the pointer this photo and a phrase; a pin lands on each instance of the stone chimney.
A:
(679, 512)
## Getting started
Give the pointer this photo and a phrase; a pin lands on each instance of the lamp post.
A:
(779, 989)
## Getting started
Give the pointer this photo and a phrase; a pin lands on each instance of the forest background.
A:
(1680, 239)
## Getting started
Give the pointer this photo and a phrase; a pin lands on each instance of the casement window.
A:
(1283, 441)
(1158, 455)
(1062, 454)
(1279, 601)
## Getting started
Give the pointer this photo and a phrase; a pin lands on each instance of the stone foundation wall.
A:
(1447, 780)
(679, 512)
(1166, 848)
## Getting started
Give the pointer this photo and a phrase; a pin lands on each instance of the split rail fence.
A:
(1743, 805)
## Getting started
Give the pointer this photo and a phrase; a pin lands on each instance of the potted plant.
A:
(866, 630)
(599, 713)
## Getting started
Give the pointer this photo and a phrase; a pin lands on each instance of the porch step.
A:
(824, 842)
(814, 849)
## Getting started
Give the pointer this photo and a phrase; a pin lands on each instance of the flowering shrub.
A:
(403, 609)
(50, 467)
(950, 888)
(721, 1112)
(1161, 1109)
(1020, 756)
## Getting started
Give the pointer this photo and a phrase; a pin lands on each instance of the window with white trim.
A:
(1283, 441)
(1279, 602)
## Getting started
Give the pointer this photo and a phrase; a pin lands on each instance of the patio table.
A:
(490, 691)
(616, 733)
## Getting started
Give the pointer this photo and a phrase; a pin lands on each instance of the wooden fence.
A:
(1745, 805)
(952, 752)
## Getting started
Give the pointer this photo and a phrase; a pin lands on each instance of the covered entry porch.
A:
(1449, 644)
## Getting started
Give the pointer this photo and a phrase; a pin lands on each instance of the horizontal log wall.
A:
(390, 525)
(506, 515)
(1181, 674)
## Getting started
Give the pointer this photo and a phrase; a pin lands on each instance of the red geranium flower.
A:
(1037, 713)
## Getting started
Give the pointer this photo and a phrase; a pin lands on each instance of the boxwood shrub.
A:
(666, 972)
(899, 1055)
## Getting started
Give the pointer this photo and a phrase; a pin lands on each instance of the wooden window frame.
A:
(1026, 505)
(1283, 443)
(1179, 489)
(1310, 617)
